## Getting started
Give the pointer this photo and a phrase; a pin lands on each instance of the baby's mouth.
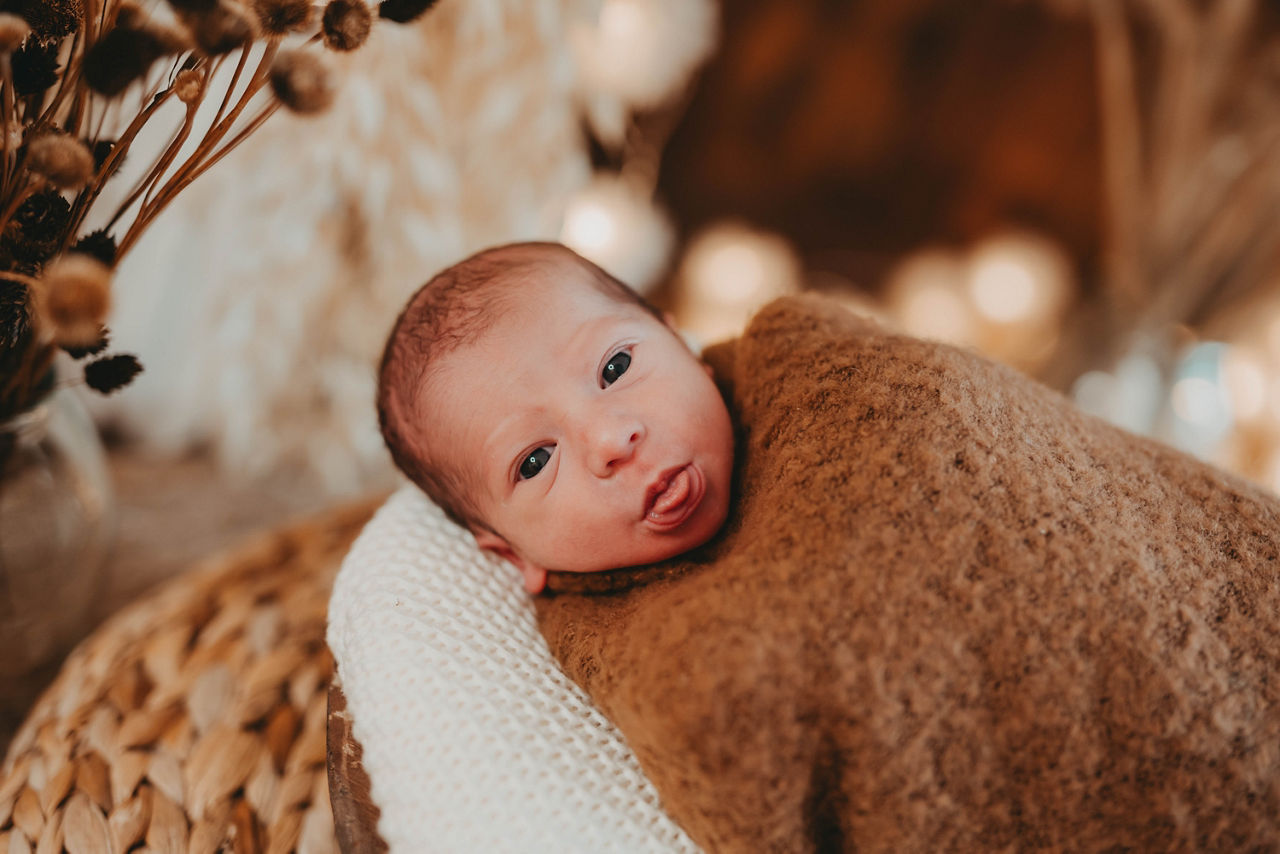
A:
(673, 497)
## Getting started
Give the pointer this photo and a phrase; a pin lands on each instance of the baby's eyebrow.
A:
(587, 333)
(497, 443)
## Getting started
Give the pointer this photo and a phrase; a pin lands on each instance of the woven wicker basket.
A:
(195, 719)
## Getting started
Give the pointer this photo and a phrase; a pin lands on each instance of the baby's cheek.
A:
(572, 534)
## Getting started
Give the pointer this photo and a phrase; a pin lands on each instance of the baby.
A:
(951, 612)
(548, 408)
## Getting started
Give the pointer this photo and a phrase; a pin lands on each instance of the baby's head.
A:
(553, 412)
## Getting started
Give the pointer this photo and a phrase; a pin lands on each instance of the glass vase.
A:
(56, 523)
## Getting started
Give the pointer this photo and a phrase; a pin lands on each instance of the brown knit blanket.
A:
(949, 611)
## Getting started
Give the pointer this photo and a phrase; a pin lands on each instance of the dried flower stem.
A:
(1122, 154)
(86, 198)
(266, 113)
(180, 138)
(231, 86)
(75, 116)
(1179, 109)
(181, 181)
(256, 82)
(19, 197)
(1191, 155)
(35, 361)
(148, 182)
(1234, 237)
(204, 155)
(14, 276)
(90, 18)
(6, 114)
(34, 364)
(66, 83)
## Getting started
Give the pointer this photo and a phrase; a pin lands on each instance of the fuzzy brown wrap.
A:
(949, 611)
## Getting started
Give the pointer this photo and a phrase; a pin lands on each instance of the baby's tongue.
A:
(673, 496)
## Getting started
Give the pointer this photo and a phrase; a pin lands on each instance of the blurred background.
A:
(1088, 191)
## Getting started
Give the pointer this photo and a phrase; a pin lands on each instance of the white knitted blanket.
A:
(473, 739)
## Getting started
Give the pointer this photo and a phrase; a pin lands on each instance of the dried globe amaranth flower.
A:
(13, 32)
(35, 67)
(301, 81)
(222, 28)
(130, 15)
(403, 11)
(112, 373)
(104, 341)
(346, 24)
(64, 161)
(281, 17)
(41, 221)
(75, 295)
(124, 55)
(187, 86)
(49, 19)
(98, 244)
(15, 315)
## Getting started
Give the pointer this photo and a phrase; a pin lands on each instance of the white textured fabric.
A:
(473, 738)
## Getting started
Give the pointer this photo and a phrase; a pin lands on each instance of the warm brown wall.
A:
(864, 128)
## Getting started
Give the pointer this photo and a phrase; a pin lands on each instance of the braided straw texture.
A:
(194, 720)
(473, 738)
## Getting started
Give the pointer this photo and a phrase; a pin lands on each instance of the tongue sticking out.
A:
(673, 496)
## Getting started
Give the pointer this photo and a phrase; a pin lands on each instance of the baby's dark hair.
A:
(455, 308)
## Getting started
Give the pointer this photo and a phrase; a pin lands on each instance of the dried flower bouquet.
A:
(79, 79)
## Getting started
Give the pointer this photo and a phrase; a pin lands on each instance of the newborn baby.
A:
(548, 408)
(948, 610)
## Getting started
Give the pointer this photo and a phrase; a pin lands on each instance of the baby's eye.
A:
(534, 461)
(615, 368)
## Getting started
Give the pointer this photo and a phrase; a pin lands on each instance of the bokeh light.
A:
(1200, 401)
(641, 51)
(1245, 376)
(1018, 277)
(1197, 401)
(927, 295)
(613, 222)
(589, 226)
(1093, 392)
(729, 271)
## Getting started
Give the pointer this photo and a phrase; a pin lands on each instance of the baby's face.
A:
(592, 438)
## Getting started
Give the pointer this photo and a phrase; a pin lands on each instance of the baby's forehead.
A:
(506, 338)
(507, 314)
(493, 326)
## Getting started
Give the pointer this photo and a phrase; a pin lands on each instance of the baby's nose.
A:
(611, 444)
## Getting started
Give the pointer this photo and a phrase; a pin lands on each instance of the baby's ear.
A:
(535, 577)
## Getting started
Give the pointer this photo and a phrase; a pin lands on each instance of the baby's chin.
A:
(669, 547)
